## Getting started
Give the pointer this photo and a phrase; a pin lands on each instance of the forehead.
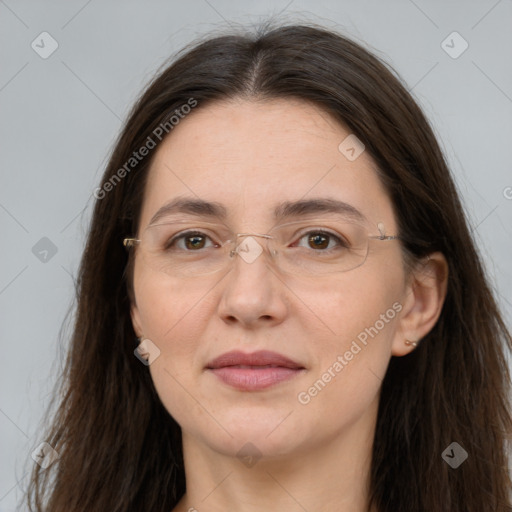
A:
(252, 156)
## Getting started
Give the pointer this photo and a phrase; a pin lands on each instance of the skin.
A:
(250, 156)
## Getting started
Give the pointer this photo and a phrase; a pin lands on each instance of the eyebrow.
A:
(283, 211)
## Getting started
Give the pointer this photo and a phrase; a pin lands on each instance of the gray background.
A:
(60, 116)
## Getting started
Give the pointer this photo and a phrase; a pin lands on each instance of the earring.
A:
(413, 343)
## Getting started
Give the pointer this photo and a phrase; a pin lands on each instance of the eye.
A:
(193, 240)
(321, 239)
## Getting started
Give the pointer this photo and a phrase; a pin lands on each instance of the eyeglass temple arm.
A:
(383, 236)
(130, 242)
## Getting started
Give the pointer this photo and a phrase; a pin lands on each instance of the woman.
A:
(280, 306)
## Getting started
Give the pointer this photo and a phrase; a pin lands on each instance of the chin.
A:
(257, 430)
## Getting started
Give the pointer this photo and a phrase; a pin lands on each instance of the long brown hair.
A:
(120, 450)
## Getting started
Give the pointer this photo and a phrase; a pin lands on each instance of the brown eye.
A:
(322, 240)
(318, 241)
(192, 241)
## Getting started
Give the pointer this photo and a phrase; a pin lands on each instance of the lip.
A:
(254, 371)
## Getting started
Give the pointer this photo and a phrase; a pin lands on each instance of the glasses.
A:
(314, 247)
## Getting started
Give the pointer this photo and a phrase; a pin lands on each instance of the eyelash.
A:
(181, 236)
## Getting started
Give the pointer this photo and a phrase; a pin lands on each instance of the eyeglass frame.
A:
(129, 242)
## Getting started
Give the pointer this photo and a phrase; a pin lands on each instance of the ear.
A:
(137, 324)
(422, 303)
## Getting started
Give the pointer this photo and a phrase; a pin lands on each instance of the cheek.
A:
(164, 304)
(345, 306)
(173, 317)
(358, 323)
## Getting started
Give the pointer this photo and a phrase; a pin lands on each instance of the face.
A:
(338, 328)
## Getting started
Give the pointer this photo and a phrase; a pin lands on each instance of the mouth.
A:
(255, 371)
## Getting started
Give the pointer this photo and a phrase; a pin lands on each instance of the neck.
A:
(331, 476)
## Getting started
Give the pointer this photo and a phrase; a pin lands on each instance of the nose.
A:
(253, 292)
